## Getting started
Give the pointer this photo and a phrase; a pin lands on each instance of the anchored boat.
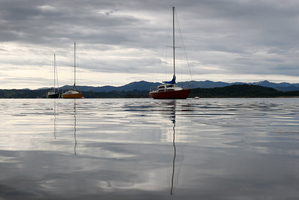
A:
(169, 89)
(73, 93)
(54, 93)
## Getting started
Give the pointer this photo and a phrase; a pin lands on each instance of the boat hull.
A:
(53, 95)
(180, 94)
(72, 96)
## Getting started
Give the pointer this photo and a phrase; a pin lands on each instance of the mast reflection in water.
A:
(73, 114)
(169, 109)
(174, 152)
(75, 126)
(56, 111)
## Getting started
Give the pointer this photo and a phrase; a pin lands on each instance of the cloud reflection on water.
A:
(147, 149)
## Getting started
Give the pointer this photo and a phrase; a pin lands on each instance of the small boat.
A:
(54, 93)
(169, 89)
(73, 93)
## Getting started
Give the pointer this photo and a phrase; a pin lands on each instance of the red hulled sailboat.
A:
(169, 89)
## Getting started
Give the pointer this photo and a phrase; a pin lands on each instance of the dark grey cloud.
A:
(236, 37)
(59, 21)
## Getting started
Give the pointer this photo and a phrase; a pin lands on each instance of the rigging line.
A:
(168, 38)
(183, 44)
(165, 52)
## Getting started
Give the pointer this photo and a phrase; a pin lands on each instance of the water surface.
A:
(149, 149)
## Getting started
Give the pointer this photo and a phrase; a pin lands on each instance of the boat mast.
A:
(54, 72)
(74, 65)
(173, 41)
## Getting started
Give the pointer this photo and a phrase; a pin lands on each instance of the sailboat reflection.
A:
(55, 106)
(174, 154)
(71, 112)
(171, 108)
(75, 126)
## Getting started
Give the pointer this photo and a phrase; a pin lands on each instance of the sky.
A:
(123, 41)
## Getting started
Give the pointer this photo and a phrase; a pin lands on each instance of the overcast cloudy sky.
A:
(121, 41)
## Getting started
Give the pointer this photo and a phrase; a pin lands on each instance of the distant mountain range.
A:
(143, 85)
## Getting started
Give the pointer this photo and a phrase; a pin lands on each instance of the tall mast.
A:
(173, 35)
(75, 65)
(54, 71)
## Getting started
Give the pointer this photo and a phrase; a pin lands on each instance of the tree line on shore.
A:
(233, 91)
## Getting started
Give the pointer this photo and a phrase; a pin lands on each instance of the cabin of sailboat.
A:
(73, 93)
(169, 89)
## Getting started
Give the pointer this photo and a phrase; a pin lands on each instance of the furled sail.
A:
(170, 82)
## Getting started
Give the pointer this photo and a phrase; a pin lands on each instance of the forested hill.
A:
(42, 94)
(244, 90)
(233, 91)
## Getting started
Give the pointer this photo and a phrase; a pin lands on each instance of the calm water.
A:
(149, 149)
